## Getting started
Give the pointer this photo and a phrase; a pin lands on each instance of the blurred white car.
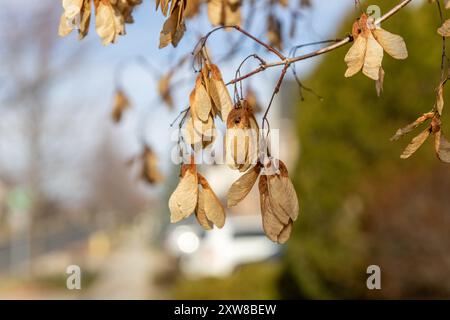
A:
(218, 252)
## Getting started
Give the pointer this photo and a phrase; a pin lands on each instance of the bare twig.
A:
(319, 52)
(203, 40)
(277, 89)
(293, 51)
(183, 113)
(444, 53)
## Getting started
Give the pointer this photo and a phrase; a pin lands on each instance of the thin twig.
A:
(302, 86)
(277, 89)
(324, 50)
(203, 40)
(294, 59)
(182, 113)
(293, 51)
(444, 54)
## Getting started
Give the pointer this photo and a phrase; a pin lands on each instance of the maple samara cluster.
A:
(210, 100)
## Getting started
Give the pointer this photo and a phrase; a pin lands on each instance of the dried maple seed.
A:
(224, 12)
(174, 27)
(183, 200)
(213, 209)
(242, 187)
(150, 172)
(110, 17)
(188, 198)
(242, 138)
(279, 203)
(370, 42)
(218, 92)
(121, 103)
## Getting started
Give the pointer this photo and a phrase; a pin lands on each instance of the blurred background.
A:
(69, 194)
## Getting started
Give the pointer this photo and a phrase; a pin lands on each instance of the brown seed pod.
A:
(279, 203)
(242, 138)
(183, 200)
(121, 103)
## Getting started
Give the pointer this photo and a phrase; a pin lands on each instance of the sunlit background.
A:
(69, 194)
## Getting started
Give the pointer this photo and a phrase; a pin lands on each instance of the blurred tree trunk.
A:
(29, 54)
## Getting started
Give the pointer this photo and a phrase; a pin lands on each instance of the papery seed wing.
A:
(150, 170)
(191, 135)
(164, 6)
(236, 148)
(200, 212)
(271, 224)
(242, 187)
(230, 149)
(232, 13)
(283, 193)
(85, 20)
(276, 189)
(442, 146)
(379, 84)
(445, 29)
(105, 23)
(245, 152)
(179, 33)
(121, 103)
(204, 74)
(215, 8)
(168, 31)
(355, 56)
(72, 9)
(192, 8)
(415, 144)
(164, 90)
(202, 101)
(274, 32)
(410, 127)
(214, 210)
(220, 94)
(206, 130)
(183, 200)
(393, 44)
(253, 148)
(64, 26)
(237, 139)
(285, 234)
(209, 133)
(373, 59)
(440, 99)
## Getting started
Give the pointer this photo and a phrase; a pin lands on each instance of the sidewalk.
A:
(129, 273)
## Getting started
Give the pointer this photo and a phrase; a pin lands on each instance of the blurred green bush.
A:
(347, 164)
(253, 281)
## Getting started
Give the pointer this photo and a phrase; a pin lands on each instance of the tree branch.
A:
(203, 40)
(319, 52)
